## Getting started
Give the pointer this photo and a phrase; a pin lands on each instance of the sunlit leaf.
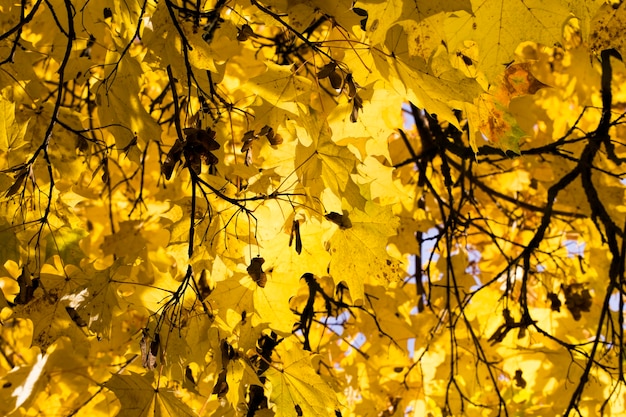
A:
(294, 382)
(312, 208)
(358, 252)
(11, 131)
(139, 397)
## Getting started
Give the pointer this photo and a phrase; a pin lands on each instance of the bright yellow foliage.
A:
(312, 208)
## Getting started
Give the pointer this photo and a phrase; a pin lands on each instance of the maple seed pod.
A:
(172, 159)
(28, 284)
(336, 80)
(149, 350)
(466, 60)
(352, 86)
(326, 70)
(204, 287)
(295, 234)
(275, 139)
(357, 104)
(189, 375)
(198, 146)
(247, 139)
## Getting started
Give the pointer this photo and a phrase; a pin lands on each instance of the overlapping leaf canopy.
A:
(299, 208)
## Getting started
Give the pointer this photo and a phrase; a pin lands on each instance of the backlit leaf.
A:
(139, 398)
(11, 132)
(294, 382)
(359, 254)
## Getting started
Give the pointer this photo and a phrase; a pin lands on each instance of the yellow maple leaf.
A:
(140, 398)
(359, 253)
(296, 389)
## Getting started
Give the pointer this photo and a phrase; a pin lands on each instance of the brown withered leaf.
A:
(149, 350)
(172, 159)
(336, 80)
(255, 271)
(245, 33)
(555, 303)
(577, 299)
(519, 379)
(326, 70)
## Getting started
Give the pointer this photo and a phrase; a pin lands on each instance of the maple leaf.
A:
(296, 389)
(31, 381)
(281, 87)
(239, 299)
(434, 85)
(358, 253)
(495, 28)
(96, 303)
(604, 30)
(494, 121)
(325, 164)
(422, 22)
(218, 191)
(139, 398)
(11, 132)
(517, 81)
(122, 104)
(492, 117)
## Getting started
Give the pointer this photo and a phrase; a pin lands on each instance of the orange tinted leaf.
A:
(518, 81)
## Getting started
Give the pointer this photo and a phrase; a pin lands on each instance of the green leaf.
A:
(51, 321)
(65, 242)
